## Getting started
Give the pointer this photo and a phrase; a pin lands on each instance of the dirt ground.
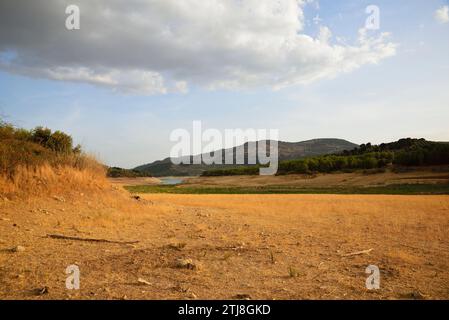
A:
(240, 246)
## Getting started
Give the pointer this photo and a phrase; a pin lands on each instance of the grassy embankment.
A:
(399, 189)
(40, 162)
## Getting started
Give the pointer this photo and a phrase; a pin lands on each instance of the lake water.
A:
(170, 180)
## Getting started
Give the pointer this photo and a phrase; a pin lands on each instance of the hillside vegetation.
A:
(405, 152)
(116, 172)
(39, 161)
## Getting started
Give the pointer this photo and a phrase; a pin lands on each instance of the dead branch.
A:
(60, 236)
(358, 252)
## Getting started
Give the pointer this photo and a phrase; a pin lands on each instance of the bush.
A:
(60, 142)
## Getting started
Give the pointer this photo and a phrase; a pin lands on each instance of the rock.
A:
(18, 249)
(186, 264)
(417, 295)
(182, 288)
(136, 198)
(242, 296)
(41, 291)
(177, 245)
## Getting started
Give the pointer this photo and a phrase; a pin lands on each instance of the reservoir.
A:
(170, 180)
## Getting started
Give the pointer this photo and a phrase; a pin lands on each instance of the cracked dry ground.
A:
(240, 246)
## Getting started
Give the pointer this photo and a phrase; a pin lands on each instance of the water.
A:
(170, 180)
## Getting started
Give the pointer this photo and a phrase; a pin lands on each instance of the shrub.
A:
(60, 142)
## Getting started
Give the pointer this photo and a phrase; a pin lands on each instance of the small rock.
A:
(18, 249)
(417, 295)
(186, 264)
(177, 245)
(242, 296)
(181, 288)
(41, 291)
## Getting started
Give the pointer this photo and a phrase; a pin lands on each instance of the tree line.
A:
(404, 152)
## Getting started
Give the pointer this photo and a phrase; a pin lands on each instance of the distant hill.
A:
(117, 172)
(287, 151)
(367, 157)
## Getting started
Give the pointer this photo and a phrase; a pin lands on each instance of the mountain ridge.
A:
(287, 151)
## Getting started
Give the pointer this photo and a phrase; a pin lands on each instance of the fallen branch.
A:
(358, 252)
(60, 236)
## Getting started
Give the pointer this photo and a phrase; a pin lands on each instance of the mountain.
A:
(287, 151)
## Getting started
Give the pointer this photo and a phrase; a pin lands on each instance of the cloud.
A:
(161, 46)
(442, 14)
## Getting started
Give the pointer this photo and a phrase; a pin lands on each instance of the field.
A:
(434, 181)
(239, 246)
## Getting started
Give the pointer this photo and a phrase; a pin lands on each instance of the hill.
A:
(402, 153)
(287, 151)
(40, 162)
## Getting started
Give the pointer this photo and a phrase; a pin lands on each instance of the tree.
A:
(41, 135)
(60, 142)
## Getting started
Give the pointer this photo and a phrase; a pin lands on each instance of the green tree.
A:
(60, 142)
(41, 135)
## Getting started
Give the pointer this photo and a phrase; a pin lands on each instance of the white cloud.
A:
(442, 14)
(160, 46)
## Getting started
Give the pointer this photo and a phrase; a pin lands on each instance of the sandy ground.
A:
(240, 246)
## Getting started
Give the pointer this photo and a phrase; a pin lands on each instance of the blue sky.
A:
(403, 95)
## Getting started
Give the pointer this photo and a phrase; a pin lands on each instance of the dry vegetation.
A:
(40, 163)
(48, 180)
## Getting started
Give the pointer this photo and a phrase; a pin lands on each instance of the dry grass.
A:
(64, 176)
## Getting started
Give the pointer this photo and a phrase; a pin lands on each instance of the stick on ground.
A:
(60, 236)
(358, 252)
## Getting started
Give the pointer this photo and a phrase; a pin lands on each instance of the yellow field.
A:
(241, 246)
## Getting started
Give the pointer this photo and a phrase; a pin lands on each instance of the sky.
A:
(137, 70)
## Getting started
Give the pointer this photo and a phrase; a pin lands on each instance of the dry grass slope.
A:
(41, 163)
(47, 180)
